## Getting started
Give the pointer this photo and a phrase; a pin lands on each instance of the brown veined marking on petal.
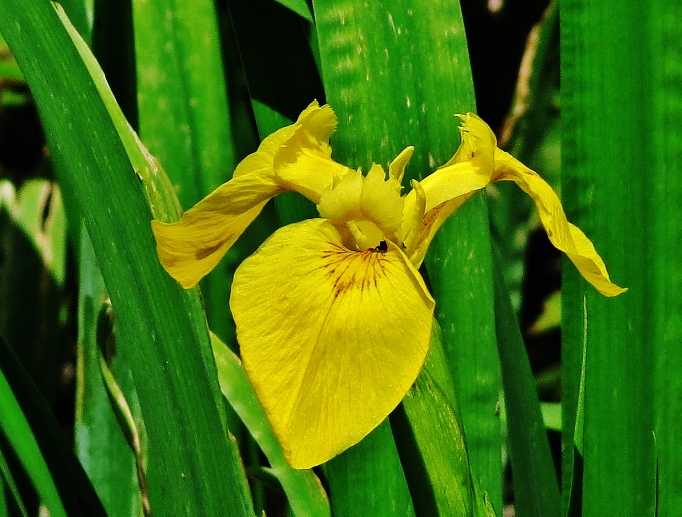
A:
(205, 252)
(351, 263)
(429, 220)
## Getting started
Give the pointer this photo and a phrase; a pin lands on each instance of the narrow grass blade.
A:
(161, 328)
(10, 496)
(40, 445)
(396, 75)
(536, 489)
(304, 491)
(18, 433)
(615, 154)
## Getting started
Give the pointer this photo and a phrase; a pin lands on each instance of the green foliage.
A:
(165, 418)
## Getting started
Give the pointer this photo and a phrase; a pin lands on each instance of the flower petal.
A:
(331, 339)
(304, 163)
(563, 235)
(444, 191)
(190, 248)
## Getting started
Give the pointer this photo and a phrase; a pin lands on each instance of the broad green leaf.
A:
(304, 491)
(185, 121)
(620, 115)
(368, 478)
(161, 327)
(437, 468)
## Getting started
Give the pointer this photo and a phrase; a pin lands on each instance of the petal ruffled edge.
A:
(190, 248)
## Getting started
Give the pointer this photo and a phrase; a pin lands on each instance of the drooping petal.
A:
(331, 339)
(192, 247)
(563, 235)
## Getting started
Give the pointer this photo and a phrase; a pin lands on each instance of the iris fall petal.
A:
(563, 235)
(323, 336)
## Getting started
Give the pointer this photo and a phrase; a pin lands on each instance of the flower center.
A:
(365, 209)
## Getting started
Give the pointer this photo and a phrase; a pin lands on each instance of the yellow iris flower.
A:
(333, 318)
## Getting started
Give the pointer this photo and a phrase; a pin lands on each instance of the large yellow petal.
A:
(563, 235)
(331, 339)
(191, 248)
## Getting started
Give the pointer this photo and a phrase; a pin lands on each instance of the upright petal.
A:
(304, 163)
(444, 191)
(331, 339)
(563, 235)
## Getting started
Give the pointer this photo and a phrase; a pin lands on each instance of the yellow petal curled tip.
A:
(563, 235)
(331, 339)
(303, 163)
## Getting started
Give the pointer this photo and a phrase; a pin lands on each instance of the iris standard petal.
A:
(331, 339)
(304, 163)
(444, 191)
(563, 235)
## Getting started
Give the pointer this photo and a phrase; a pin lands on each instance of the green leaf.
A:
(436, 463)
(536, 488)
(303, 489)
(18, 433)
(368, 478)
(161, 328)
(99, 442)
(39, 443)
(618, 188)
(300, 7)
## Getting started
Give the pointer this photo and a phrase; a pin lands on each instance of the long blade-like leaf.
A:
(161, 328)
(303, 489)
(614, 156)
